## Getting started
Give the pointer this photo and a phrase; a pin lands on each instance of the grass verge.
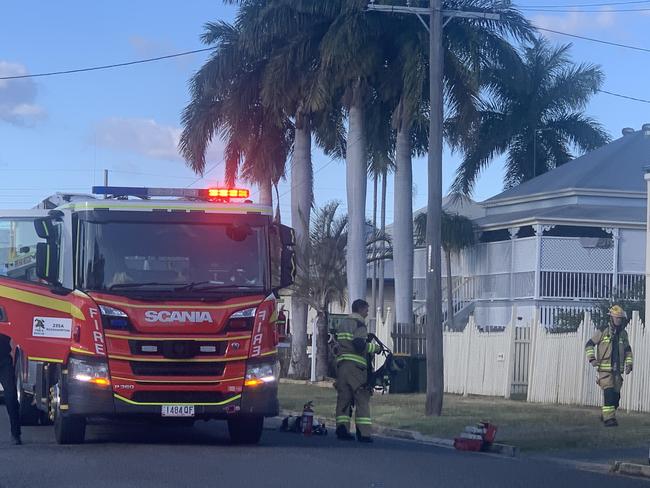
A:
(530, 426)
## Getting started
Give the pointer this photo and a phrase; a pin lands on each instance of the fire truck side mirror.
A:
(287, 235)
(283, 257)
(47, 262)
(288, 268)
(44, 228)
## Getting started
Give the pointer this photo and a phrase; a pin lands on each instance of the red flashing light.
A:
(228, 193)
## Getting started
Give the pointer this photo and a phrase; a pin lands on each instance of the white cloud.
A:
(575, 22)
(18, 97)
(144, 137)
(149, 48)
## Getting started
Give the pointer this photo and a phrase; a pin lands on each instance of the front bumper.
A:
(88, 400)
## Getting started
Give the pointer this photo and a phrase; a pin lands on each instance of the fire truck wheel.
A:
(29, 414)
(245, 430)
(68, 429)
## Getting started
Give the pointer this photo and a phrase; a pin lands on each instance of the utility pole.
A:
(433, 331)
(105, 180)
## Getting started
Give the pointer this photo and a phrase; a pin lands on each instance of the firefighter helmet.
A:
(617, 311)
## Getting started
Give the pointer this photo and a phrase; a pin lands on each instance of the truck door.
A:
(38, 320)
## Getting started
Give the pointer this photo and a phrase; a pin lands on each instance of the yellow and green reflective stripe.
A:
(344, 336)
(609, 409)
(351, 357)
(43, 301)
(342, 419)
(363, 421)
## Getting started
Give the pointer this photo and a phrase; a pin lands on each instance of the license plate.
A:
(178, 411)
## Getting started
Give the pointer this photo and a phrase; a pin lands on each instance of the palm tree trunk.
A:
(450, 292)
(403, 228)
(301, 202)
(266, 193)
(356, 182)
(373, 301)
(322, 348)
(382, 244)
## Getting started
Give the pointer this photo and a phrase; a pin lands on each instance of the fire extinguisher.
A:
(307, 418)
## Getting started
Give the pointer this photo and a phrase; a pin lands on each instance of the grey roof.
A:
(615, 166)
(461, 205)
(579, 213)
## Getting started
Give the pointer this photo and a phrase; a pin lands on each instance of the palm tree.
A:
(381, 159)
(532, 113)
(289, 38)
(458, 233)
(467, 45)
(226, 103)
(322, 280)
(351, 56)
(381, 271)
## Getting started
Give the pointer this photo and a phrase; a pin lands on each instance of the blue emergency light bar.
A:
(143, 192)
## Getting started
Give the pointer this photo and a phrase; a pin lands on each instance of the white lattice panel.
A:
(569, 254)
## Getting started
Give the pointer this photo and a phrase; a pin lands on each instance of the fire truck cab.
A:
(146, 303)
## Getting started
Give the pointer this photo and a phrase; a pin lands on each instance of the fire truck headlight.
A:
(241, 320)
(114, 318)
(94, 372)
(111, 311)
(261, 373)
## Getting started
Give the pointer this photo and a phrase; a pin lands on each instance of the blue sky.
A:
(60, 133)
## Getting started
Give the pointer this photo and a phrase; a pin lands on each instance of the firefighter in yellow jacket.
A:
(610, 353)
(352, 357)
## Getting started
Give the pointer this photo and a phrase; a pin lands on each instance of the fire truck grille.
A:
(179, 396)
(177, 349)
(176, 369)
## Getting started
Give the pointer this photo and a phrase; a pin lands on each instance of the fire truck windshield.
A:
(163, 258)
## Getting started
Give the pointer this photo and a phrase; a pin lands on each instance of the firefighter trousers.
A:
(611, 383)
(352, 390)
(8, 382)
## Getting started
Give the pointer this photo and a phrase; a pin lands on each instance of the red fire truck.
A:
(145, 303)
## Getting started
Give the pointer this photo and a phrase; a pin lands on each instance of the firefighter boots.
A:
(342, 433)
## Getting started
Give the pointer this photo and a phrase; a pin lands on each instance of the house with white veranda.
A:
(564, 239)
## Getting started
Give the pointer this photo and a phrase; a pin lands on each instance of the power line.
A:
(205, 173)
(106, 66)
(599, 11)
(592, 39)
(601, 4)
(624, 96)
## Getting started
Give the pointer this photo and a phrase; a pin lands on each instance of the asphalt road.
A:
(154, 456)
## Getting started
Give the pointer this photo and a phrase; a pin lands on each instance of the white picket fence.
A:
(561, 374)
(482, 361)
(527, 358)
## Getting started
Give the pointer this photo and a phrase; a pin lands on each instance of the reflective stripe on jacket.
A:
(352, 336)
(599, 348)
